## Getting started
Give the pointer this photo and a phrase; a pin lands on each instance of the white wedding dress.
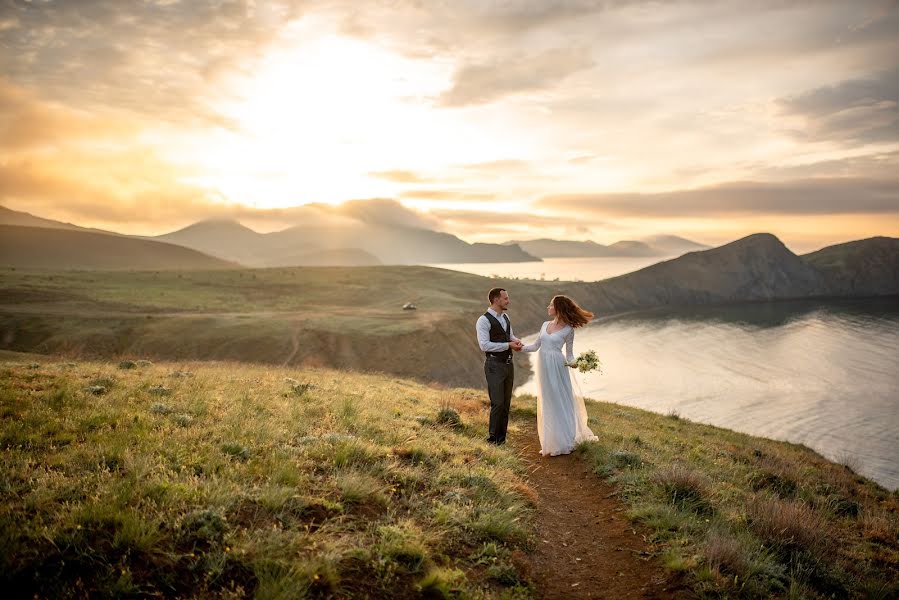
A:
(561, 416)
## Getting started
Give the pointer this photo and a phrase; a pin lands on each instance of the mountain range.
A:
(340, 242)
(660, 245)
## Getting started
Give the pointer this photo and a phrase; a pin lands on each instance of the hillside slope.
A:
(46, 248)
(863, 267)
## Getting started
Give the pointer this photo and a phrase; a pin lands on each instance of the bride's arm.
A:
(569, 347)
(532, 347)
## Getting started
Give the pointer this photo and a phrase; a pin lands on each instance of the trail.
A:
(586, 547)
(295, 345)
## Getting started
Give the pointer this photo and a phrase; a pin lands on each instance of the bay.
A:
(823, 374)
(562, 269)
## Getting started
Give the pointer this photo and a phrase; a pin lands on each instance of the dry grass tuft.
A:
(788, 524)
(683, 488)
(880, 526)
(726, 554)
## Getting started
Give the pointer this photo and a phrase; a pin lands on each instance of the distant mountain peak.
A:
(218, 226)
(758, 240)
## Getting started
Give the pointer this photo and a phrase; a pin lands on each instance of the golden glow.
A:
(322, 112)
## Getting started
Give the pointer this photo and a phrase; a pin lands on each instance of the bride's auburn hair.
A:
(570, 313)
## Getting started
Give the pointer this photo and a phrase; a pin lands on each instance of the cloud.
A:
(457, 195)
(124, 187)
(384, 211)
(873, 166)
(820, 196)
(472, 218)
(27, 122)
(399, 176)
(493, 167)
(150, 58)
(487, 81)
(856, 111)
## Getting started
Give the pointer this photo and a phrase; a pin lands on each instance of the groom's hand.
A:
(516, 345)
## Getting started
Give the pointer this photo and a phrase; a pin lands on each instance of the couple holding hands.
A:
(561, 416)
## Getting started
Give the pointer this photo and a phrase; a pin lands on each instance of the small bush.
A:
(442, 583)
(726, 554)
(158, 390)
(183, 420)
(358, 488)
(404, 544)
(298, 388)
(448, 416)
(621, 459)
(106, 382)
(878, 527)
(236, 451)
(203, 528)
(127, 364)
(787, 524)
(683, 488)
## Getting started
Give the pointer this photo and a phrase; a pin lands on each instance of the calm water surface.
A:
(822, 374)
(564, 269)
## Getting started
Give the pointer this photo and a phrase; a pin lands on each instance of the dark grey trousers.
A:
(499, 388)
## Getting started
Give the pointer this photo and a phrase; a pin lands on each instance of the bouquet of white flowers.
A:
(587, 361)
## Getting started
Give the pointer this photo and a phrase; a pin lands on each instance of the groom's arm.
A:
(516, 344)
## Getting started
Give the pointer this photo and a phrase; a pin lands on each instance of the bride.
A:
(561, 416)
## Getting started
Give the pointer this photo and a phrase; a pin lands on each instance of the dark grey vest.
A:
(499, 334)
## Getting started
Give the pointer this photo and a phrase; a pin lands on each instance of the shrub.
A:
(449, 416)
(621, 459)
(183, 420)
(203, 528)
(442, 583)
(683, 488)
(404, 544)
(787, 524)
(236, 450)
(725, 554)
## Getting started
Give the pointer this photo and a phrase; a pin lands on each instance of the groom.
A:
(497, 341)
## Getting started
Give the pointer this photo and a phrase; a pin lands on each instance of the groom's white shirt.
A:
(483, 327)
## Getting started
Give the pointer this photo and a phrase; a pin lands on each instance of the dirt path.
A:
(586, 547)
(295, 346)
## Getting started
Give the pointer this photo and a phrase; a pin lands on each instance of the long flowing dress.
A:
(561, 416)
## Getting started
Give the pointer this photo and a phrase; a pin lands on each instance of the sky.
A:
(491, 119)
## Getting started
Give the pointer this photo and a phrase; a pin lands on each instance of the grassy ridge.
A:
(230, 480)
(332, 317)
(743, 516)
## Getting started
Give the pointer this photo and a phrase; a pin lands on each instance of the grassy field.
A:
(324, 317)
(226, 479)
(378, 290)
(229, 480)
